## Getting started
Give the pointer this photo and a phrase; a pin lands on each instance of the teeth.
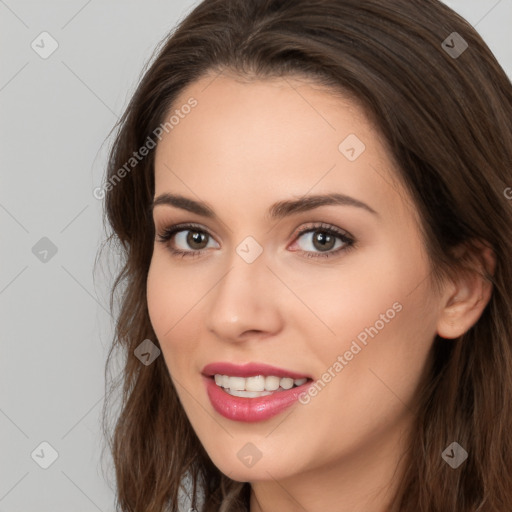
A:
(271, 383)
(248, 394)
(255, 383)
(237, 383)
(286, 383)
(258, 385)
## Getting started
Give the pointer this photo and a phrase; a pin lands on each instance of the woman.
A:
(311, 201)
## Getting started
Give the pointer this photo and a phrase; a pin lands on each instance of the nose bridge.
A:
(243, 299)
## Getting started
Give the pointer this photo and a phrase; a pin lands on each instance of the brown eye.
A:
(186, 240)
(318, 240)
(196, 239)
(323, 241)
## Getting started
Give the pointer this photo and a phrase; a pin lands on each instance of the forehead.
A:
(273, 138)
(276, 113)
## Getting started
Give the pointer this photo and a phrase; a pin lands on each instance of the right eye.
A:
(190, 239)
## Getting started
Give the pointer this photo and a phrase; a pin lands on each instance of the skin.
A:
(246, 145)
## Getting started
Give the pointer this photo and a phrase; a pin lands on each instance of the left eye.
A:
(320, 241)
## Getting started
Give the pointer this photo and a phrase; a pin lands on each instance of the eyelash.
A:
(169, 232)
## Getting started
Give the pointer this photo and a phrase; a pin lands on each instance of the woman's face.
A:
(336, 291)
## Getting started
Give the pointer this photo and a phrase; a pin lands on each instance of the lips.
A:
(249, 370)
(254, 409)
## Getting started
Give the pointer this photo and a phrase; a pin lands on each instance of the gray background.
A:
(55, 116)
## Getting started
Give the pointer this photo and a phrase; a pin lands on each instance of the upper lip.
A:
(249, 370)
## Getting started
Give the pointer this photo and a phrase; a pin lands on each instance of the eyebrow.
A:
(278, 210)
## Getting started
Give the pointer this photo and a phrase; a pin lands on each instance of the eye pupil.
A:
(325, 240)
(195, 237)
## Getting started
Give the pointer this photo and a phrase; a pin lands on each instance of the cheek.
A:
(161, 303)
(171, 292)
(171, 300)
(383, 316)
(377, 292)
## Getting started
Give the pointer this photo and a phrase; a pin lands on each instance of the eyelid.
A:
(318, 226)
(348, 240)
(168, 232)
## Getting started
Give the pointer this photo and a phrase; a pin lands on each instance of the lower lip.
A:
(251, 409)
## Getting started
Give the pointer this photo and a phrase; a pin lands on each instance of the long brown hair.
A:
(445, 112)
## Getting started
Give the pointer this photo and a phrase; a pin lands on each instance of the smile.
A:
(252, 392)
(253, 387)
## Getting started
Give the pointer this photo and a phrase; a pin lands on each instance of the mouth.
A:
(256, 386)
(252, 392)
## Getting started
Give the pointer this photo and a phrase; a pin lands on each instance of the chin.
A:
(248, 470)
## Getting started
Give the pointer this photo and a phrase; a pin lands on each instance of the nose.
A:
(245, 304)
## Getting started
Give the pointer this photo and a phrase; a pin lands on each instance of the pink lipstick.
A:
(275, 398)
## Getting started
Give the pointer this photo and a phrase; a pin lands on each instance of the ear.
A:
(469, 292)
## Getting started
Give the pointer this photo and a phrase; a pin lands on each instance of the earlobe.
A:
(469, 292)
